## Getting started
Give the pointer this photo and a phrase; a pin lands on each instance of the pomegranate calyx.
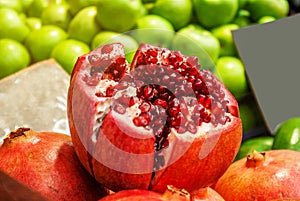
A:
(173, 193)
(255, 159)
(19, 132)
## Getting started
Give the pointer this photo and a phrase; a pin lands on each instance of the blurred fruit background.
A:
(35, 30)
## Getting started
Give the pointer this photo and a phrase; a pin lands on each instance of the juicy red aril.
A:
(142, 120)
(104, 65)
(145, 107)
(133, 100)
(161, 103)
(119, 108)
(106, 49)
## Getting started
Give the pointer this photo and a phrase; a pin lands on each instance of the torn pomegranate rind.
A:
(136, 117)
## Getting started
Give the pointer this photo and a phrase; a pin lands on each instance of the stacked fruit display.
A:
(35, 30)
(147, 121)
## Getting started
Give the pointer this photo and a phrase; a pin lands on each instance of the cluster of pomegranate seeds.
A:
(170, 90)
(194, 89)
(109, 63)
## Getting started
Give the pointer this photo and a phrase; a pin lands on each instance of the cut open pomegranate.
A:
(156, 122)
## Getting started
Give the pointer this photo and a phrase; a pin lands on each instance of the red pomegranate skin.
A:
(206, 194)
(189, 162)
(47, 163)
(171, 193)
(270, 175)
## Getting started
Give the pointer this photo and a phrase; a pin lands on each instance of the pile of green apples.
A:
(35, 30)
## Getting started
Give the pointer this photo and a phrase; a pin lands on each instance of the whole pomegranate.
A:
(155, 122)
(47, 163)
(206, 194)
(269, 175)
(171, 193)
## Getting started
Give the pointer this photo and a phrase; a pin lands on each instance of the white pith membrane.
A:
(105, 104)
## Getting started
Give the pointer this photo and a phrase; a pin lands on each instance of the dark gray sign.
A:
(271, 55)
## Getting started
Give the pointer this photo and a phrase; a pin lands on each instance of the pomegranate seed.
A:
(206, 102)
(152, 52)
(105, 64)
(148, 92)
(142, 120)
(124, 99)
(191, 127)
(115, 73)
(183, 108)
(233, 110)
(181, 129)
(173, 111)
(153, 60)
(119, 109)
(106, 49)
(165, 79)
(93, 80)
(94, 70)
(109, 91)
(145, 107)
(206, 117)
(193, 61)
(133, 100)
(160, 102)
(94, 59)
(120, 61)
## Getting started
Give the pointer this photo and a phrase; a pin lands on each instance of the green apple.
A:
(25, 5)
(144, 10)
(13, 4)
(56, 14)
(194, 40)
(154, 30)
(84, 26)
(242, 18)
(259, 8)
(67, 51)
(148, 1)
(212, 13)
(106, 37)
(14, 57)
(266, 19)
(242, 4)
(23, 17)
(36, 8)
(247, 115)
(179, 13)
(40, 42)
(12, 25)
(224, 34)
(233, 75)
(260, 143)
(33, 23)
(77, 5)
(287, 134)
(118, 15)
